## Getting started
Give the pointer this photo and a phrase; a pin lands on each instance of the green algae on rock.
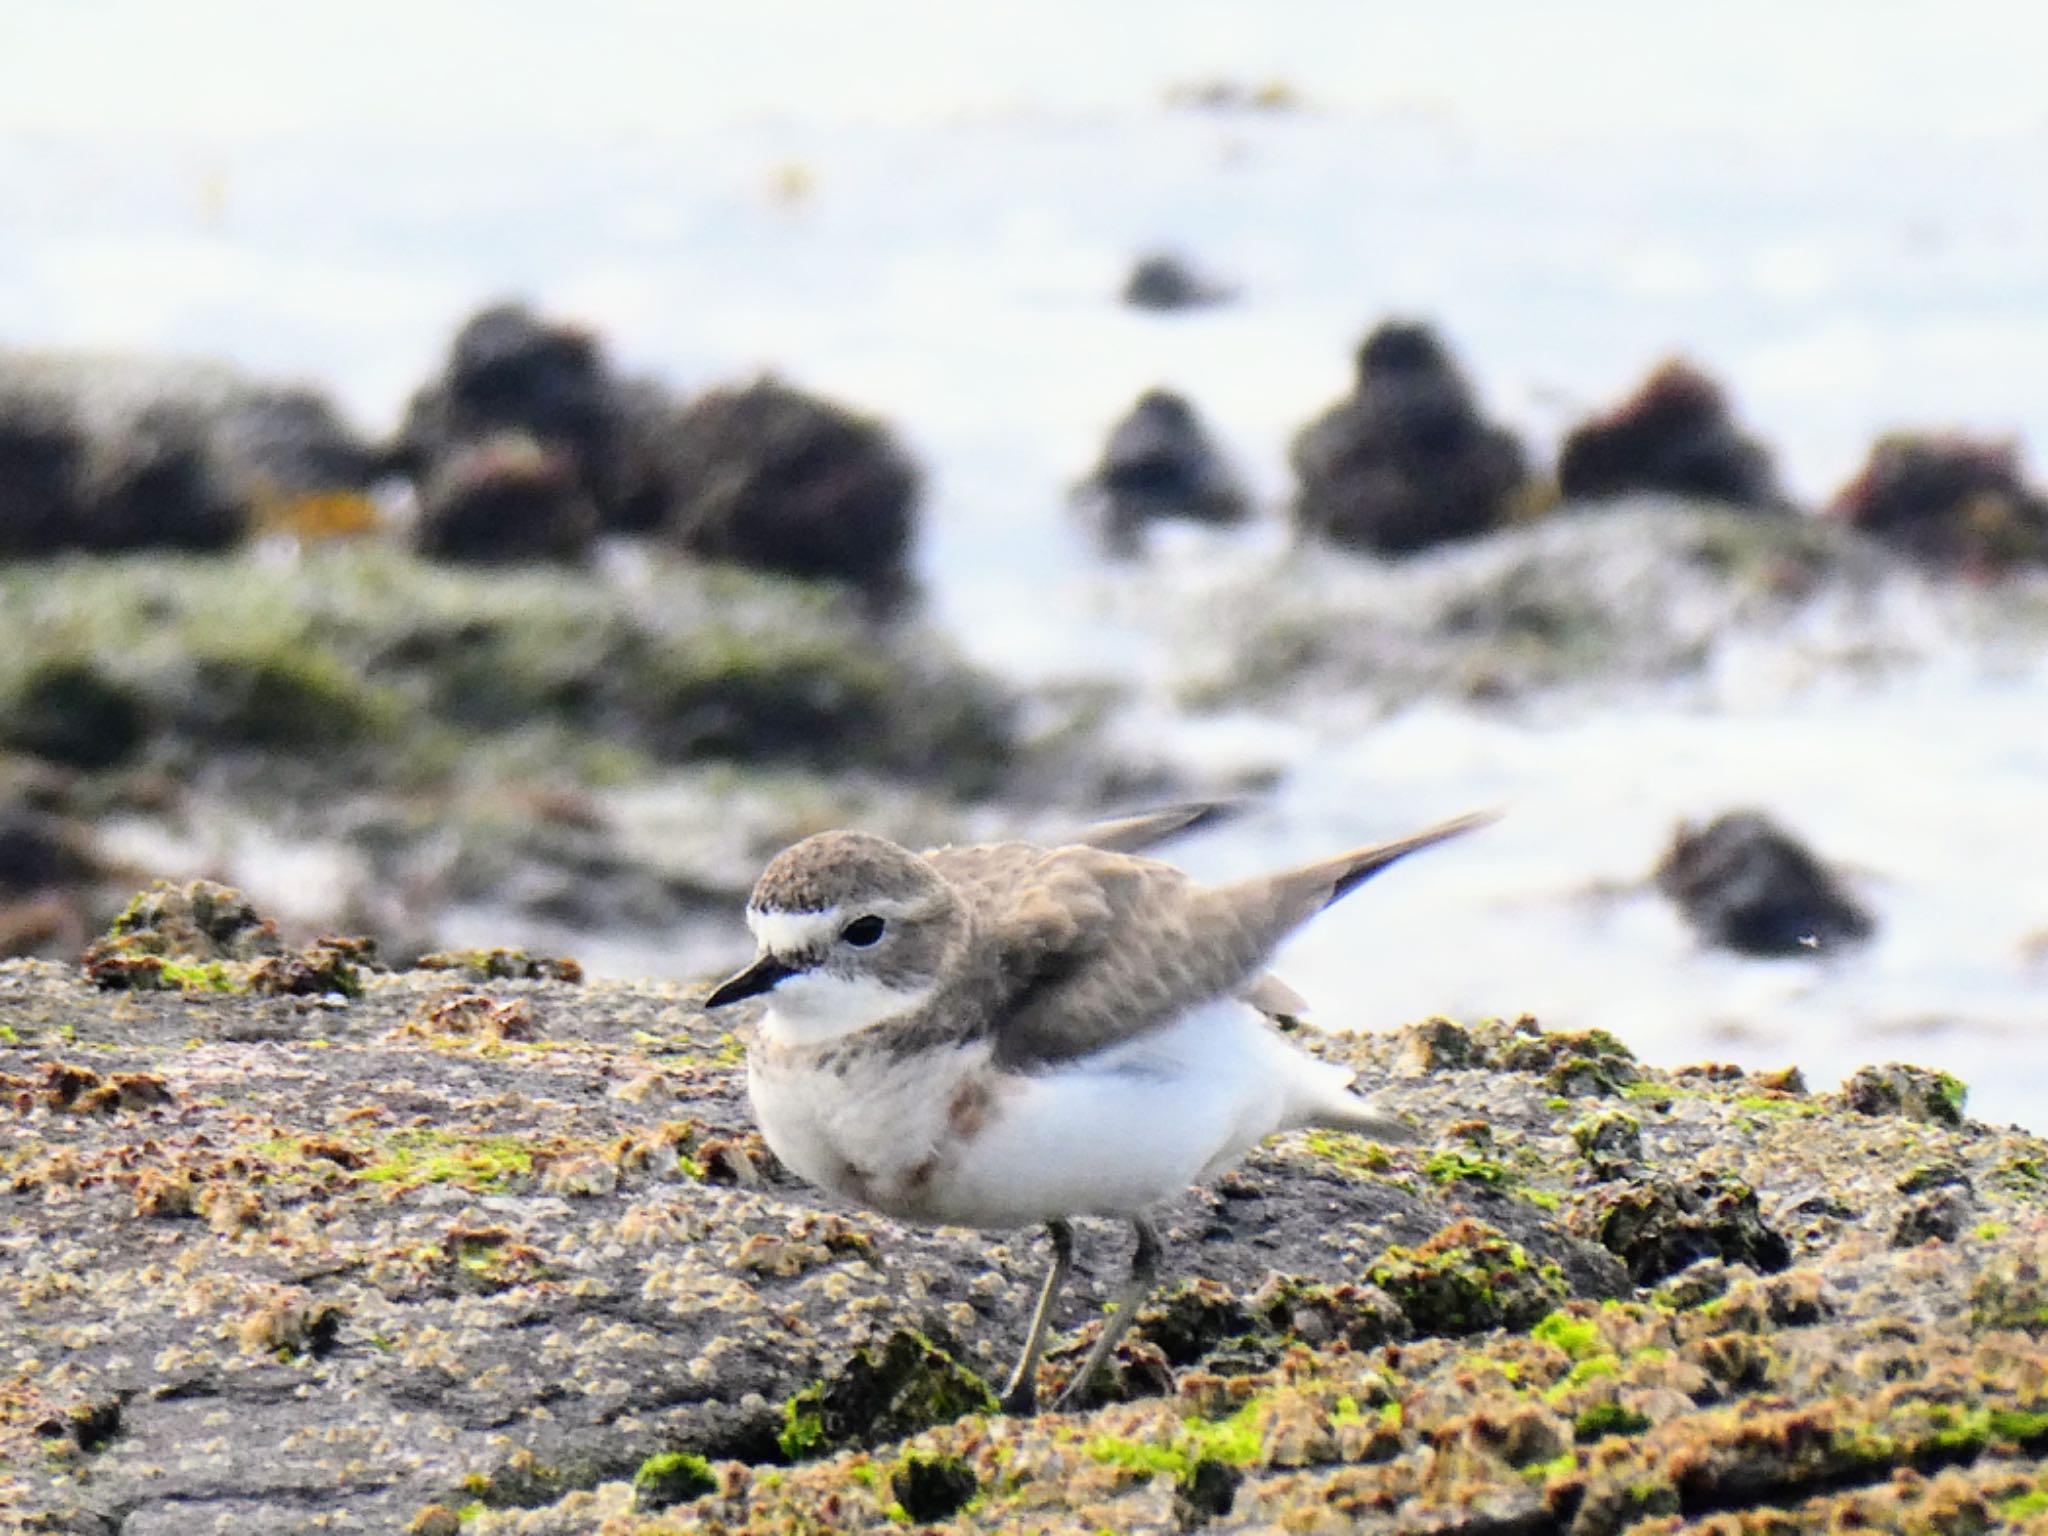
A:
(1915, 1092)
(1658, 1225)
(1610, 1141)
(369, 658)
(323, 1230)
(202, 937)
(673, 1477)
(910, 1382)
(1466, 1279)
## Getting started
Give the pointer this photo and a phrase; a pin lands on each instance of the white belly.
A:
(1106, 1135)
(1117, 1132)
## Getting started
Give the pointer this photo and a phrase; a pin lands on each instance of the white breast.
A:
(871, 1129)
(1120, 1131)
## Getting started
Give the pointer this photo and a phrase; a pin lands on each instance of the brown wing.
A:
(1148, 829)
(1082, 948)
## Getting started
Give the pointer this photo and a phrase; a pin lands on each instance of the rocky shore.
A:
(483, 1246)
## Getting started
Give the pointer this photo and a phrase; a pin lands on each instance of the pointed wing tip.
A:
(1471, 821)
(1352, 870)
(1130, 834)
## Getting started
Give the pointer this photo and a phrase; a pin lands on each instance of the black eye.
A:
(862, 931)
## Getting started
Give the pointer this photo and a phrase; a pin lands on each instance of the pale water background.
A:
(927, 209)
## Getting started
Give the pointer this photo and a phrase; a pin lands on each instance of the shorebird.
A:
(1005, 1035)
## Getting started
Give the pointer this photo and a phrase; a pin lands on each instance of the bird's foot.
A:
(1020, 1399)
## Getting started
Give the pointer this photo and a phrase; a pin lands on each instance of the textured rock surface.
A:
(1159, 463)
(280, 1264)
(1595, 599)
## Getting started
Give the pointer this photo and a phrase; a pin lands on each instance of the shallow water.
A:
(930, 216)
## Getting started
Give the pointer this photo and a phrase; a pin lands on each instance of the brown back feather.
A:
(1081, 948)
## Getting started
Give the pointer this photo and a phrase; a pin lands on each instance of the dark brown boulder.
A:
(77, 476)
(1159, 463)
(1949, 499)
(153, 483)
(42, 453)
(1674, 435)
(510, 371)
(120, 453)
(1406, 461)
(505, 497)
(770, 477)
(1746, 884)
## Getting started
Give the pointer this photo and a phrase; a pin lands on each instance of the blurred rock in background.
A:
(106, 454)
(1746, 884)
(1159, 463)
(1407, 461)
(771, 477)
(1674, 435)
(512, 376)
(1165, 281)
(1952, 500)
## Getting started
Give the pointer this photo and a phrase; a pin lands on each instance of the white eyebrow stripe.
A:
(786, 933)
(792, 932)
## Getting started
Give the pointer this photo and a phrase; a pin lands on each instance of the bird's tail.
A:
(1320, 1098)
(1364, 1118)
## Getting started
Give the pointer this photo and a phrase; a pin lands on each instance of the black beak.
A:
(752, 982)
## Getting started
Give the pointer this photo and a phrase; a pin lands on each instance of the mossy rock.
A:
(1468, 1278)
(67, 709)
(908, 1383)
(932, 1487)
(201, 937)
(1610, 1141)
(1658, 1226)
(290, 698)
(2012, 1291)
(673, 1477)
(1193, 1318)
(1913, 1092)
(366, 664)
(194, 920)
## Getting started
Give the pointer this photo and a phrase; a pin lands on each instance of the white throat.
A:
(814, 1007)
(817, 1005)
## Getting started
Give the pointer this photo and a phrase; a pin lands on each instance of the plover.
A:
(1007, 1034)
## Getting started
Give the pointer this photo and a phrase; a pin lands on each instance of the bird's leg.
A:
(1020, 1397)
(1144, 1271)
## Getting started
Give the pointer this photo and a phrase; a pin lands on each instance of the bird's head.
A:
(853, 930)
